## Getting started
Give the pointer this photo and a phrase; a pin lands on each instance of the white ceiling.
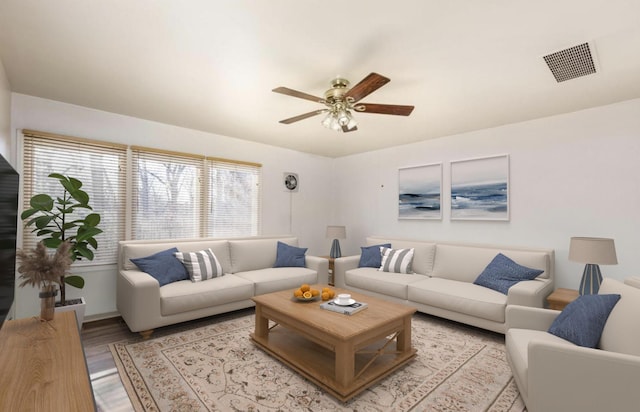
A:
(211, 65)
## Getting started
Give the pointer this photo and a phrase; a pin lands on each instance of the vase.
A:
(47, 302)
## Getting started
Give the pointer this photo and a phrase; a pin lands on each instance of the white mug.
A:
(344, 298)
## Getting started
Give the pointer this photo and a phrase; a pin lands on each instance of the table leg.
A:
(404, 338)
(345, 364)
(262, 324)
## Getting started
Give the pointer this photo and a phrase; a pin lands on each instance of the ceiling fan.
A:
(341, 101)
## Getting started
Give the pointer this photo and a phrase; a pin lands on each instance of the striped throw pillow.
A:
(396, 260)
(201, 265)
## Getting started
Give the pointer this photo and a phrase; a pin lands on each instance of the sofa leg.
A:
(146, 334)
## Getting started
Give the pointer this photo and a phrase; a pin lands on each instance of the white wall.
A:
(304, 214)
(570, 175)
(576, 174)
(5, 116)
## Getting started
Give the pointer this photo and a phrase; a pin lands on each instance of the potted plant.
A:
(58, 219)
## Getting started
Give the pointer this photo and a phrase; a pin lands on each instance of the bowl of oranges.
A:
(306, 293)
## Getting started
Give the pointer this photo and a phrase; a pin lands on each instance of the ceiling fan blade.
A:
(303, 116)
(346, 129)
(368, 85)
(396, 109)
(295, 93)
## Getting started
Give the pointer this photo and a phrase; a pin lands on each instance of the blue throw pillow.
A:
(289, 256)
(163, 266)
(583, 320)
(371, 257)
(502, 273)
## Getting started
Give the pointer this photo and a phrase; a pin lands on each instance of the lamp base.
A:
(591, 280)
(335, 249)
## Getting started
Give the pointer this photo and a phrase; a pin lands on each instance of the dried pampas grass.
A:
(41, 269)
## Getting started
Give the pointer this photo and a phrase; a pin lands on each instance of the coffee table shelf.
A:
(340, 353)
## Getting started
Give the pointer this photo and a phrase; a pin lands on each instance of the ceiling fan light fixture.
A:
(338, 118)
(341, 101)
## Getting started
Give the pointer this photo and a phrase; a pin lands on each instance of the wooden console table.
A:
(43, 367)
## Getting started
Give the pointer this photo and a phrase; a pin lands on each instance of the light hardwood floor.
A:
(109, 393)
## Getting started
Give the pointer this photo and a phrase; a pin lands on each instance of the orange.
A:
(307, 295)
(326, 290)
(314, 292)
(325, 296)
(297, 293)
(305, 287)
(332, 294)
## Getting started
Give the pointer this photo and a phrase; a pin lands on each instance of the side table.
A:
(561, 298)
(331, 265)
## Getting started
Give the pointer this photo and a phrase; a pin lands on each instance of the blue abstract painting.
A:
(419, 192)
(480, 189)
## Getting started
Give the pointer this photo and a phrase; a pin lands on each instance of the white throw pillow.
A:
(201, 265)
(621, 333)
(396, 260)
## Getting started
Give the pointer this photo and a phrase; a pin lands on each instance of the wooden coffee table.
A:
(342, 354)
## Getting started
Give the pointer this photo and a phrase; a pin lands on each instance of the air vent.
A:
(570, 63)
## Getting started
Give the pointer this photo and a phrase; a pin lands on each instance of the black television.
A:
(9, 182)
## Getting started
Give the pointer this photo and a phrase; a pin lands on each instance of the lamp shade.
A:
(336, 232)
(593, 250)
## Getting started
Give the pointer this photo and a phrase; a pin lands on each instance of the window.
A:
(167, 194)
(173, 195)
(234, 199)
(179, 195)
(101, 169)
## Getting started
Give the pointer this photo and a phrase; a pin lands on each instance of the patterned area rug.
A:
(217, 368)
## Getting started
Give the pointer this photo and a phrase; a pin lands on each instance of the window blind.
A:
(234, 199)
(167, 194)
(100, 166)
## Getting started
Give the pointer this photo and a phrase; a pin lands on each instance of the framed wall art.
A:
(480, 188)
(420, 192)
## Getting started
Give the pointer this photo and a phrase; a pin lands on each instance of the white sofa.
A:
(442, 284)
(553, 374)
(246, 262)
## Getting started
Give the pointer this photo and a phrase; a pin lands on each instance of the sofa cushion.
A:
(396, 260)
(252, 254)
(371, 256)
(390, 284)
(502, 273)
(185, 296)
(201, 265)
(621, 333)
(163, 266)
(464, 262)
(517, 340)
(460, 297)
(289, 256)
(423, 252)
(135, 250)
(274, 279)
(582, 321)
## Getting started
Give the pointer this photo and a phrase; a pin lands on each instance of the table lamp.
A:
(335, 233)
(593, 251)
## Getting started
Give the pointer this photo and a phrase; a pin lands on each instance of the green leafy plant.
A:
(59, 220)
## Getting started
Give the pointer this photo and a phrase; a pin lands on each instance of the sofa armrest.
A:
(565, 377)
(526, 317)
(341, 265)
(321, 266)
(530, 293)
(633, 281)
(137, 298)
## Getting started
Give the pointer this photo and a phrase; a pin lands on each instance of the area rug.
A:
(217, 368)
